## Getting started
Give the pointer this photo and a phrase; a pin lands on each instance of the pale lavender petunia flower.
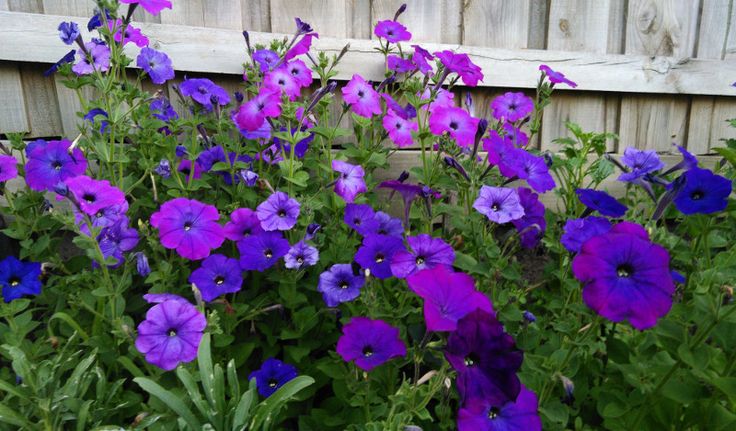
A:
(351, 182)
(278, 212)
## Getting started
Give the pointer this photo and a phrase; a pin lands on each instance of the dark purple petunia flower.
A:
(486, 360)
(141, 264)
(117, 239)
(180, 151)
(216, 276)
(556, 77)
(625, 276)
(8, 168)
(369, 343)
(601, 202)
(301, 255)
(163, 168)
(185, 167)
(97, 58)
(534, 170)
(376, 253)
(68, 32)
(459, 63)
(171, 333)
(52, 163)
(392, 31)
(455, 121)
(448, 297)
(188, 226)
(408, 193)
(260, 251)
(96, 20)
(97, 112)
(532, 225)
(151, 6)
(641, 162)
(156, 64)
(339, 284)
(278, 212)
(272, 375)
(518, 415)
(67, 58)
(361, 218)
(424, 252)
(499, 204)
(361, 97)
(312, 230)
(266, 59)
(202, 90)
(577, 231)
(388, 225)
(243, 222)
(703, 192)
(529, 316)
(512, 107)
(18, 278)
(93, 196)
(351, 182)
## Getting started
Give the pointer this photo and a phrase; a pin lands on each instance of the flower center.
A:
(281, 213)
(493, 413)
(343, 284)
(172, 332)
(453, 125)
(512, 107)
(299, 260)
(361, 94)
(420, 260)
(495, 207)
(14, 281)
(56, 165)
(89, 198)
(268, 253)
(272, 383)
(624, 270)
(380, 258)
(696, 195)
(356, 221)
(187, 226)
(202, 90)
(471, 359)
(367, 351)
(219, 280)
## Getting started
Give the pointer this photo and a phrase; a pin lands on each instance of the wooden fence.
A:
(652, 71)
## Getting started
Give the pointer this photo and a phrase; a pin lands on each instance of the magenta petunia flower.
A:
(461, 64)
(399, 129)
(625, 276)
(188, 226)
(132, 34)
(361, 97)
(532, 225)
(216, 276)
(301, 47)
(8, 168)
(156, 64)
(421, 59)
(376, 253)
(424, 252)
(52, 163)
(512, 107)
(260, 251)
(97, 58)
(278, 212)
(281, 80)
(339, 284)
(392, 31)
(151, 6)
(243, 222)
(351, 182)
(457, 122)
(556, 77)
(252, 115)
(203, 91)
(370, 343)
(442, 99)
(301, 74)
(533, 169)
(499, 204)
(170, 334)
(93, 196)
(518, 415)
(448, 297)
(515, 136)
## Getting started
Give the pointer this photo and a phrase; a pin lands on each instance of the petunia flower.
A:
(350, 182)
(361, 218)
(68, 32)
(361, 97)
(369, 343)
(399, 129)
(141, 264)
(280, 80)
(577, 231)
(602, 202)
(534, 170)
(502, 153)
(156, 64)
(424, 252)
(339, 284)
(392, 31)
(161, 108)
(469, 72)
(512, 106)
(301, 47)
(703, 192)
(376, 253)
(278, 212)
(456, 121)
(8, 168)
(19, 278)
(132, 34)
(272, 375)
(517, 415)
(117, 239)
(399, 65)
(532, 225)
(189, 227)
(243, 222)
(203, 91)
(388, 225)
(185, 167)
(67, 58)
(261, 251)
(157, 298)
(216, 276)
(556, 77)
(641, 162)
(499, 204)
(97, 58)
(93, 196)
(515, 136)
(421, 58)
(301, 255)
(52, 163)
(163, 168)
(301, 74)
(151, 6)
(442, 99)
(266, 59)
(252, 115)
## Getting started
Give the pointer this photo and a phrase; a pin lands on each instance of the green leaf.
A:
(242, 411)
(171, 400)
(206, 373)
(192, 389)
(60, 315)
(727, 385)
(9, 416)
(18, 391)
(728, 154)
(268, 408)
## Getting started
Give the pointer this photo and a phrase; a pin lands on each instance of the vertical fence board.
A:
(190, 12)
(13, 116)
(80, 8)
(223, 14)
(255, 15)
(496, 23)
(41, 101)
(332, 18)
(427, 20)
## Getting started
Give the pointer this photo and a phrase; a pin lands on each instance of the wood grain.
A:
(427, 20)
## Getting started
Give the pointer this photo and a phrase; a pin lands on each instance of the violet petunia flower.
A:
(351, 182)
(448, 297)
(8, 168)
(141, 264)
(556, 77)
(399, 65)
(251, 115)
(301, 47)
(216, 276)
(361, 218)
(266, 59)
(421, 59)
(577, 231)
(499, 204)
(502, 153)
(156, 64)
(51, 164)
(512, 106)
(151, 6)
(424, 252)
(185, 167)
(625, 276)
(117, 239)
(399, 129)
(392, 31)
(278, 212)
(689, 161)
(486, 360)
(67, 58)
(260, 251)
(93, 196)
(461, 64)
(376, 252)
(19, 278)
(170, 334)
(457, 122)
(602, 202)
(703, 192)
(515, 135)
(188, 226)
(243, 222)
(361, 97)
(388, 225)
(339, 284)
(369, 343)
(163, 169)
(534, 170)
(161, 108)
(516, 415)
(97, 58)
(203, 91)
(68, 32)
(272, 375)
(157, 298)
(641, 162)
(301, 255)
(532, 225)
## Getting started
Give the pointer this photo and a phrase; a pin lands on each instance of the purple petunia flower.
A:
(151, 6)
(703, 192)
(351, 182)
(625, 276)
(339, 284)
(67, 58)
(8, 168)
(188, 226)
(421, 59)
(170, 334)
(217, 275)
(486, 360)
(456, 121)
(388, 225)
(157, 298)
(185, 167)
(641, 162)
(97, 112)
(577, 231)
(376, 253)
(51, 164)
(499, 204)
(161, 108)
(260, 251)
(266, 59)
(361, 97)
(534, 170)
(272, 375)
(399, 65)
(361, 218)
(392, 31)
(18, 278)
(448, 297)
(532, 225)
(518, 415)
(141, 264)
(97, 58)
(117, 239)
(442, 99)
(163, 168)
(502, 153)
(459, 63)
(512, 107)
(243, 222)
(515, 136)
(68, 32)
(556, 77)
(251, 115)
(278, 212)
(203, 91)
(156, 64)
(601, 202)
(301, 255)
(424, 252)
(93, 196)
(399, 129)
(369, 343)
(132, 34)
